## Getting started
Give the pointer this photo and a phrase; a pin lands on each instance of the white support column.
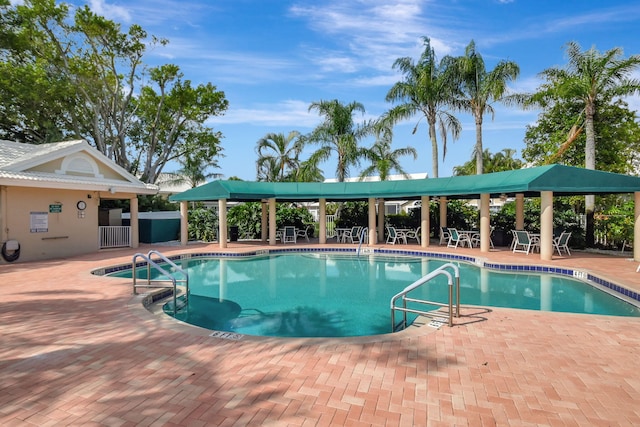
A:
(135, 228)
(519, 211)
(272, 222)
(184, 223)
(485, 223)
(425, 227)
(263, 221)
(636, 228)
(443, 211)
(322, 213)
(372, 221)
(222, 223)
(4, 227)
(381, 220)
(546, 225)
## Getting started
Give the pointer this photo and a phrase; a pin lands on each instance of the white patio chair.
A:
(304, 233)
(352, 235)
(289, 234)
(413, 234)
(562, 243)
(393, 236)
(456, 238)
(444, 235)
(523, 242)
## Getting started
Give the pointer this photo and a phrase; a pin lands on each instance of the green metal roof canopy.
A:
(562, 180)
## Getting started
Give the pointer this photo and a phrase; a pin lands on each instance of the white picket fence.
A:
(331, 226)
(114, 236)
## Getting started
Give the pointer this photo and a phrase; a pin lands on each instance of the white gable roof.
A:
(19, 164)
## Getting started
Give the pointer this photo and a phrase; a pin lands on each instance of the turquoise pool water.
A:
(338, 295)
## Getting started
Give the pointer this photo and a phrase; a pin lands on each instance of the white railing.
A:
(114, 236)
(331, 225)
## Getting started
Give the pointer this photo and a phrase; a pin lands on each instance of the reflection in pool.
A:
(335, 295)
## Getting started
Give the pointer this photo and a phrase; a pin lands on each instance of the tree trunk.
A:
(434, 150)
(589, 163)
(478, 148)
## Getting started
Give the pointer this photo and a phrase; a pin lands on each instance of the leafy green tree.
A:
(281, 151)
(170, 122)
(84, 73)
(591, 79)
(502, 161)
(617, 137)
(480, 89)
(383, 159)
(338, 134)
(426, 89)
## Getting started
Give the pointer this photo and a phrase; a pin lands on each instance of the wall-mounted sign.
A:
(39, 222)
(55, 208)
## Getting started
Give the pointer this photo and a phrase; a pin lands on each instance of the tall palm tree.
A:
(193, 172)
(338, 134)
(281, 152)
(481, 88)
(383, 159)
(268, 170)
(502, 161)
(593, 80)
(426, 89)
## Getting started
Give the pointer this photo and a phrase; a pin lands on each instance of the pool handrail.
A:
(363, 234)
(170, 275)
(424, 280)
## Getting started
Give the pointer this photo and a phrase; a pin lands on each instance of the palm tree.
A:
(383, 159)
(426, 89)
(502, 161)
(481, 88)
(280, 152)
(193, 172)
(338, 134)
(308, 171)
(268, 170)
(593, 80)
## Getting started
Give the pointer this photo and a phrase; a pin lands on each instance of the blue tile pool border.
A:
(575, 274)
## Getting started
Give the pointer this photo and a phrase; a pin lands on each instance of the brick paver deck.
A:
(76, 349)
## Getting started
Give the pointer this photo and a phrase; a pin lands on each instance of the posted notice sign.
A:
(39, 222)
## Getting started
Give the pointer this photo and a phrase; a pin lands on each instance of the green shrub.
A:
(203, 224)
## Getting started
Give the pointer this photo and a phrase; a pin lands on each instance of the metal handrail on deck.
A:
(163, 271)
(361, 239)
(422, 281)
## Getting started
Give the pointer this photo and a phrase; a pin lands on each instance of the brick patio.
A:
(78, 349)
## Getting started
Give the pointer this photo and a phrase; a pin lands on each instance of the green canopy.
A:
(561, 180)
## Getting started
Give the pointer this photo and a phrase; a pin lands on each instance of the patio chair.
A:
(562, 243)
(289, 234)
(393, 236)
(352, 235)
(475, 238)
(413, 234)
(444, 235)
(456, 238)
(304, 233)
(523, 242)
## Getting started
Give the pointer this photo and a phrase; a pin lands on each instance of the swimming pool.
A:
(339, 295)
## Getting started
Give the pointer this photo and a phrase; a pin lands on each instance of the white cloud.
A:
(293, 113)
(110, 11)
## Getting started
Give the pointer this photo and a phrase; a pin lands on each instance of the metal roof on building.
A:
(561, 180)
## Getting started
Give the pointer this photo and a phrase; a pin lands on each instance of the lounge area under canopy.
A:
(542, 181)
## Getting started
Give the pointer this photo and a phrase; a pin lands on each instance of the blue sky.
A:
(272, 58)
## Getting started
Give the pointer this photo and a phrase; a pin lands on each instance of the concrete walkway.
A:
(76, 349)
